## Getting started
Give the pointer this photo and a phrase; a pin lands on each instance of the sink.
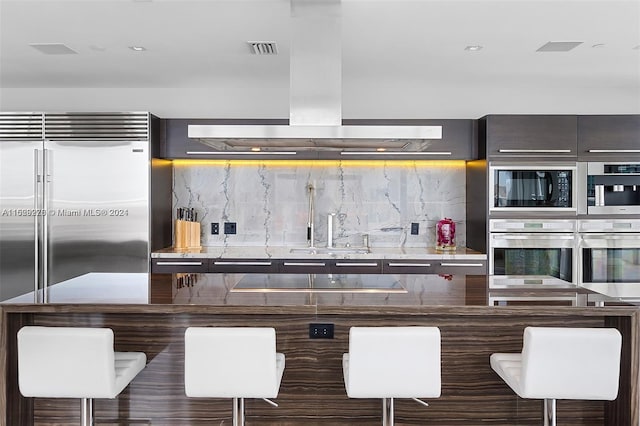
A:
(332, 250)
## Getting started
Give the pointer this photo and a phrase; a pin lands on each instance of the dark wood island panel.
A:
(312, 391)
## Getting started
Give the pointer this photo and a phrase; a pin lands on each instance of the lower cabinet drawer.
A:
(243, 266)
(172, 266)
(470, 267)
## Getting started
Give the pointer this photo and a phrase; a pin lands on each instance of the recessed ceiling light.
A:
(137, 48)
(597, 45)
(473, 48)
(53, 48)
(97, 48)
(559, 46)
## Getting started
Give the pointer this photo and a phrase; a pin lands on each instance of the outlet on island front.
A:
(229, 227)
(321, 331)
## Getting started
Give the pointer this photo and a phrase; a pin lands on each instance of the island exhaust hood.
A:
(315, 101)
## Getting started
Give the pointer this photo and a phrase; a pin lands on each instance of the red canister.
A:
(446, 233)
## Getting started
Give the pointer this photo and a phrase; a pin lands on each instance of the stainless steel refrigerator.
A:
(75, 198)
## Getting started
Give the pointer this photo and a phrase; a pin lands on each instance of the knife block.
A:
(186, 235)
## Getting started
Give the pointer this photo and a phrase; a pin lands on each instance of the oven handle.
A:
(532, 236)
(626, 236)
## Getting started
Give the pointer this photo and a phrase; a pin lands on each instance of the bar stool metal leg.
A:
(238, 411)
(549, 412)
(387, 412)
(86, 412)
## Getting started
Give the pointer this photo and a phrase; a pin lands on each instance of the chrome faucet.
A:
(310, 226)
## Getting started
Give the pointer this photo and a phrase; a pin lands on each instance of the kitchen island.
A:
(312, 390)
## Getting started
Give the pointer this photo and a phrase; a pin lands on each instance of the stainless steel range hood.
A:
(315, 101)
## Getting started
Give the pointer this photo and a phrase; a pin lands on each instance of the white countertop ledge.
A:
(285, 252)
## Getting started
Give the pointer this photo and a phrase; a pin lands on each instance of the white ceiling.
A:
(400, 59)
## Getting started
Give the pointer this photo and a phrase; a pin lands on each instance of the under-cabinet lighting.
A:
(432, 164)
(252, 152)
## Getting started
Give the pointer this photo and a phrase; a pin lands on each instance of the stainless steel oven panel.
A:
(495, 166)
(609, 225)
(604, 241)
(532, 240)
(532, 225)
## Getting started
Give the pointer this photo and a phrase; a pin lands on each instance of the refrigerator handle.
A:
(36, 223)
(45, 226)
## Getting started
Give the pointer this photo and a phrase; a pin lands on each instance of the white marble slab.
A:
(270, 203)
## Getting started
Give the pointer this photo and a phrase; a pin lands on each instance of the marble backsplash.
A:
(269, 201)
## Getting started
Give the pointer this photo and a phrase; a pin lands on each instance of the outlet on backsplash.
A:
(215, 228)
(229, 227)
(415, 228)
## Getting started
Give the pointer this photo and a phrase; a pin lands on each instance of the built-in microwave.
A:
(609, 188)
(532, 187)
(532, 253)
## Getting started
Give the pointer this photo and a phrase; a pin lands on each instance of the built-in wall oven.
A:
(532, 253)
(609, 251)
(609, 188)
(532, 187)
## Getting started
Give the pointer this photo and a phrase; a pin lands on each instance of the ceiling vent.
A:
(53, 48)
(559, 46)
(263, 47)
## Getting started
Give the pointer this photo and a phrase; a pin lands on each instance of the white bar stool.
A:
(392, 362)
(74, 362)
(563, 363)
(232, 362)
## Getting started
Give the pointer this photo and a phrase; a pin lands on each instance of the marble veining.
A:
(270, 202)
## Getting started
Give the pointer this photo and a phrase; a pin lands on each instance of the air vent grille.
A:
(263, 47)
(20, 126)
(97, 126)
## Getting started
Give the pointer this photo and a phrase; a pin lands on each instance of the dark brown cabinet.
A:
(608, 137)
(433, 266)
(457, 141)
(459, 267)
(528, 136)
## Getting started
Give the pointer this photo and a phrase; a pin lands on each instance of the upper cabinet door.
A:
(529, 136)
(608, 137)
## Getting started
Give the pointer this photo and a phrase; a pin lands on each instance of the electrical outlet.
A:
(320, 331)
(415, 228)
(215, 228)
(229, 227)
